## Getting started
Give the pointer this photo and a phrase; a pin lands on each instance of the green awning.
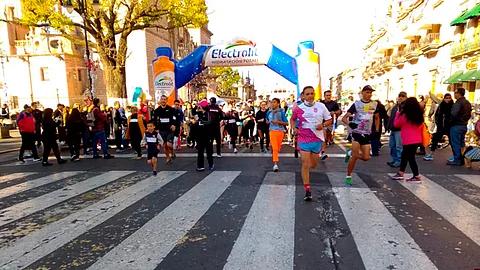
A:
(474, 12)
(453, 78)
(460, 19)
(467, 76)
(476, 76)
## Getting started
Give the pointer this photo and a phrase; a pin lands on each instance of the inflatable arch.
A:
(301, 70)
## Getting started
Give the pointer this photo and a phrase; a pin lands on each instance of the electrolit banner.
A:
(164, 84)
(238, 53)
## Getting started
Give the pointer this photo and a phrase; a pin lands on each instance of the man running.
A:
(363, 112)
(165, 123)
(335, 111)
(312, 116)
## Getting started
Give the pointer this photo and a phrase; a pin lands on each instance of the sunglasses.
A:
(402, 96)
(448, 98)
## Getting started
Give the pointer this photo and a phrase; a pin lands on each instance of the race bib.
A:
(133, 120)
(174, 118)
(231, 121)
(164, 120)
(151, 140)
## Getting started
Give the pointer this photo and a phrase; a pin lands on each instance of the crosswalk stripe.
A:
(149, 245)
(381, 240)
(457, 211)
(13, 176)
(39, 243)
(26, 208)
(266, 240)
(36, 183)
(473, 179)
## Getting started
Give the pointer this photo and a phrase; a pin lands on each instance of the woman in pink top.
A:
(410, 121)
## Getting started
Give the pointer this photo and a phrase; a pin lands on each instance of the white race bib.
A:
(133, 120)
(151, 140)
(164, 120)
(174, 118)
(231, 121)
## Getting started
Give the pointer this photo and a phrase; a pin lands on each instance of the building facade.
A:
(411, 49)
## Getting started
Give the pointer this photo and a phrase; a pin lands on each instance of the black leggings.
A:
(408, 157)
(233, 132)
(48, 145)
(265, 134)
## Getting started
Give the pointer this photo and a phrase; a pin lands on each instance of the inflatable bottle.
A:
(164, 75)
(308, 67)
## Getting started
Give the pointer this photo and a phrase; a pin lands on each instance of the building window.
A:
(79, 75)
(11, 13)
(44, 75)
(14, 105)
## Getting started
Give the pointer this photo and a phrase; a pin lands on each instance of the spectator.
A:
(461, 113)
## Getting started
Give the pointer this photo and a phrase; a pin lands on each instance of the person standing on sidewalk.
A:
(461, 114)
(119, 122)
(395, 142)
(49, 136)
(263, 126)
(26, 126)
(442, 122)
(216, 115)
(363, 111)
(75, 127)
(135, 131)
(98, 130)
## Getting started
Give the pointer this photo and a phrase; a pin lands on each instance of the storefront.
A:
(465, 74)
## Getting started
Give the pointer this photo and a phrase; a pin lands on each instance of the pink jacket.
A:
(410, 133)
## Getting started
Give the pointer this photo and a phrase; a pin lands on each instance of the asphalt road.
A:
(114, 214)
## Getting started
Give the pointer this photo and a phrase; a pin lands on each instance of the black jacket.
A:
(205, 126)
(461, 112)
(442, 116)
(216, 114)
(394, 112)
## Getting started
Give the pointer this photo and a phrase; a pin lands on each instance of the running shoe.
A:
(219, 155)
(36, 159)
(275, 168)
(200, 169)
(174, 156)
(428, 158)
(154, 172)
(348, 154)
(398, 176)
(451, 159)
(211, 167)
(308, 196)
(46, 164)
(415, 179)
(168, 162)
(22, 161)
(235, 150)
(323, 156)
(348, 180)
(139, 158)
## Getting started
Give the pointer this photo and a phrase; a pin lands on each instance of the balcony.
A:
(413, 52)
(399, 59)
(430, 43)
(465, 46)
(386, 63)
(377, 69)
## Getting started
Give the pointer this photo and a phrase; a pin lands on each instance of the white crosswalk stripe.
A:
(266, 237)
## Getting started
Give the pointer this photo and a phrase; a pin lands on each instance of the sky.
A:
(339, 28)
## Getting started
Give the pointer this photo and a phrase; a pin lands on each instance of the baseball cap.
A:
(367, 87)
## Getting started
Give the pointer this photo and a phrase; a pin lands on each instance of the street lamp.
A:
(82, 5)
(3, 57)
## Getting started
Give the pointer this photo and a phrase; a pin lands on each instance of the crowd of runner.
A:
(306, 124)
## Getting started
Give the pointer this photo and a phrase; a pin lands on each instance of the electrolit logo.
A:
(164, 81)
(248, 49)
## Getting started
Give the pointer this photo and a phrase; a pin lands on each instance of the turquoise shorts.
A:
(312, 147)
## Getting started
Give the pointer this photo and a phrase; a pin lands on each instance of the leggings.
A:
(408, 156)
(233, 132)
(276, 139)
(264, 135)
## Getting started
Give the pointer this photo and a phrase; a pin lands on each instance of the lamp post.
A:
(3, 58)
(82, 6)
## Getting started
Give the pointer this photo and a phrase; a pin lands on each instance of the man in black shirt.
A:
(460, 115)
(165, 124)
(216, 115)
(38, 116)
(335, 111)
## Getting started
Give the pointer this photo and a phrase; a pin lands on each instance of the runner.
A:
(363, 112)
(295, 137)
(335, 111)
(152, 141)
(263, 127)
(165, 124)
(278, 122)
(312, 116)
(232, 118)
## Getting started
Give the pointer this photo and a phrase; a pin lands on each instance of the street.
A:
(114, 214)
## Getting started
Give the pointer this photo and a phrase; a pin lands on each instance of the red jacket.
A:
(100, 119)
(26, 122)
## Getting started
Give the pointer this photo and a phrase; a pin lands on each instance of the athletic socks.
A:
(307, 187)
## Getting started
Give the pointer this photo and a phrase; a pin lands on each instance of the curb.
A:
(9, 150)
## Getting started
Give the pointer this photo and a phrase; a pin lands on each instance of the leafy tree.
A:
(112, 24)
(227, 81)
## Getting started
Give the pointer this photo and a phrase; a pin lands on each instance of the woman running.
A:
(311, 116)
(278, 121)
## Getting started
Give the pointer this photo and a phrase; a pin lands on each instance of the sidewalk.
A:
(11, 144)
